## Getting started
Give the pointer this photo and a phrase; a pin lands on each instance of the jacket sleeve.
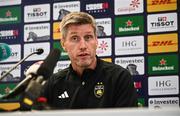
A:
(125, 93)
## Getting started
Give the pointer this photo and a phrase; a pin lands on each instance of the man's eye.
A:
(74, 38)
(87, 38)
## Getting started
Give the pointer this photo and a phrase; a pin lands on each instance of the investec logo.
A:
(97, 7)
(10, 15)
(163, 102)
(163, 64)
(162, 22)
(128, 6)
(161, 5)
(104, 27)
(34, 13)
(61, 9)
(9, 34)
(163, 43)
(137, 63)
(163, 85)
(129, 25)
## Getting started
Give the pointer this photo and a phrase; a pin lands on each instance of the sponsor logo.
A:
(13, 76)
(163, 64)
(162, 22)
(107, 59)
(62, 9)
(61, 65)
(104, 27)
(163, 43)
(10, 15)
(37, 32)
(129, 25)
(15, 53)
(134, 64)
(129, 45)
(163, 102)
(36, 13)
(9, 34)
(161, 5)
(104, 47)
(6, 88)
(128, 6)
(64, 95)
(32, 47)
(97, 7)
(56, 31)
(9, 2)
(163, 85)
(64, 55)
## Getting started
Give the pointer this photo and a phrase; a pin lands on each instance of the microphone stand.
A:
(39, 51)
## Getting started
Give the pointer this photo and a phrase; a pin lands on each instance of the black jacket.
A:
(107, 86)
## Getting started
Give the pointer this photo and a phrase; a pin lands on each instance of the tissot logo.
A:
(37, 32)
(128, 6)
(163, 43)
(163, 64)
(104, 47)
(35, 13)
(129, 45)
(63, 8)
(163, 102)
(129, 25)
(9, 34)
(163, 85)
(32, 47)
(162, 22)
(97, 7)
(134, 64)
(161, 5)
(10, 15)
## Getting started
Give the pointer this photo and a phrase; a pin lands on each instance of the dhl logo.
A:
(161, 5)
(163, 43)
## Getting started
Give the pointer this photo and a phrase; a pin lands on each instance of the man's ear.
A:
(62, 44)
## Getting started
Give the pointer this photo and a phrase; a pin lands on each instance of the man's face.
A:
(80, 44)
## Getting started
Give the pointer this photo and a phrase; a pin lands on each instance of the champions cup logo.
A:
(99, 90)
(97, 7)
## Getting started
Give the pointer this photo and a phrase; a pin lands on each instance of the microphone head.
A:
(5, 51)
(39, 51)
(47, 67)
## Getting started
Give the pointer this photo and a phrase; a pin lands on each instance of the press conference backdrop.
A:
(140, 35)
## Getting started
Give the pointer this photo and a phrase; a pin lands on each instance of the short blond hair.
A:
(76, 18)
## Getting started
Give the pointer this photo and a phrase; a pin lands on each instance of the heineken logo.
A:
(163, 64)
(129, 25)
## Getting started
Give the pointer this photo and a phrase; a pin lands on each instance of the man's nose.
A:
(83, 44)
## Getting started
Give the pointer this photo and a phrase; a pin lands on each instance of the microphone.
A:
(38, 52)
(33, 90)
(5, 51)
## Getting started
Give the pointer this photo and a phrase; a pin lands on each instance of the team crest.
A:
(99, 90)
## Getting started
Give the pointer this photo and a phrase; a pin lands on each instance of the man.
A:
(88, 82)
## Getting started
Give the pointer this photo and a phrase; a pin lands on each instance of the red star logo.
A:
(162, 62)
(7, 90)
(129, 23)
(8, 13)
